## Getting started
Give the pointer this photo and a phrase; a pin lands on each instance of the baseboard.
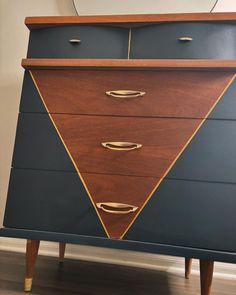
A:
(168, 264)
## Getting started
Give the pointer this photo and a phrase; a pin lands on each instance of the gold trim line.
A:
(129, 42)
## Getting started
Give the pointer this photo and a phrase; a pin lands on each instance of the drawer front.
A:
(92, 42)
(163, 94)
(209, 40)
(50, 201)
(211, 155)
(161, 140)
(190, 214)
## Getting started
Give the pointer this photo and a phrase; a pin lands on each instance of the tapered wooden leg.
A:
(188, 267)
(62, 248)
(206, 275)
(32, 248)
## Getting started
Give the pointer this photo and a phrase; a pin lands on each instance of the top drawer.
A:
(185, 40)
(79, 41)
(123, 93)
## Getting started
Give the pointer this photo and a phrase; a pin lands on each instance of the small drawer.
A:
(185, 40)
(81, 41)
(125, 93)
(109, 145)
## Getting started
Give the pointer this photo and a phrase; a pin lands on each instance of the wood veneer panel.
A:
(144, 64)
(168, 94)
(43, 21)
(119, 189)
(162, 140)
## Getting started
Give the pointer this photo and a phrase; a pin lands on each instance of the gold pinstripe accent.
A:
(129, 42)
(179, 154)
(68, 152)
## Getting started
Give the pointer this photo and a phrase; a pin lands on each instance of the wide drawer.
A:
(190, 214)
(155, 93)
(78, 41)
(97, 144)
(59, 201)
(184, 40)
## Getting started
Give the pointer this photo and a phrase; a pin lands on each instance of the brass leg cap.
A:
(28, 284)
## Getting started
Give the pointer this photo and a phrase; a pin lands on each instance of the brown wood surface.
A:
(206, 275)
(188, 267)
(32, 247)
(119, 189)
(158, 64)
(162, 140)
(43, 21)
(168, 94)
(62, 248)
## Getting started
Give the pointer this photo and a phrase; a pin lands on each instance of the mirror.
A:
(108, 7)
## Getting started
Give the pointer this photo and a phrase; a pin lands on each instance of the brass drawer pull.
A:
(74, 41)
(121, 146)
(185, 39)
(116, 208)
(125, 93)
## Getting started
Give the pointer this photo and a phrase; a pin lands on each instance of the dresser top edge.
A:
(35, 22)
(154, 64)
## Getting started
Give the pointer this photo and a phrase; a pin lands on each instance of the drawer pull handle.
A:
(185, 39)
(74, 41)
(125, 93)
(121, 146)
(116, 208)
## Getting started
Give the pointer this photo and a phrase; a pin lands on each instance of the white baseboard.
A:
(168, 264)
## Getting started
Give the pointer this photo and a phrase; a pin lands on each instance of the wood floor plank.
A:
(90, 278)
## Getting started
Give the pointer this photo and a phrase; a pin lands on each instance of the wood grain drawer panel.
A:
(161, 140)
(38, 145)
(168, 94)
(210, 40)
(50, 201)
(95, 42)
(126, 190)
(190, 214)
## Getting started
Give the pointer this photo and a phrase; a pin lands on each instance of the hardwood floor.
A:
(88, 278)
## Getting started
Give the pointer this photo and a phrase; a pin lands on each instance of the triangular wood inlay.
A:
(85, 116)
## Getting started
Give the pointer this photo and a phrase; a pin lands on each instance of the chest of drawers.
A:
(120, 151)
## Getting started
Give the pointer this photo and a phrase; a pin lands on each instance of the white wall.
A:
(225, 6)
(13, 46)
(90, 7)
(14, 41)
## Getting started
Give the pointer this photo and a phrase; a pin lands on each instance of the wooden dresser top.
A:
(44, 21)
